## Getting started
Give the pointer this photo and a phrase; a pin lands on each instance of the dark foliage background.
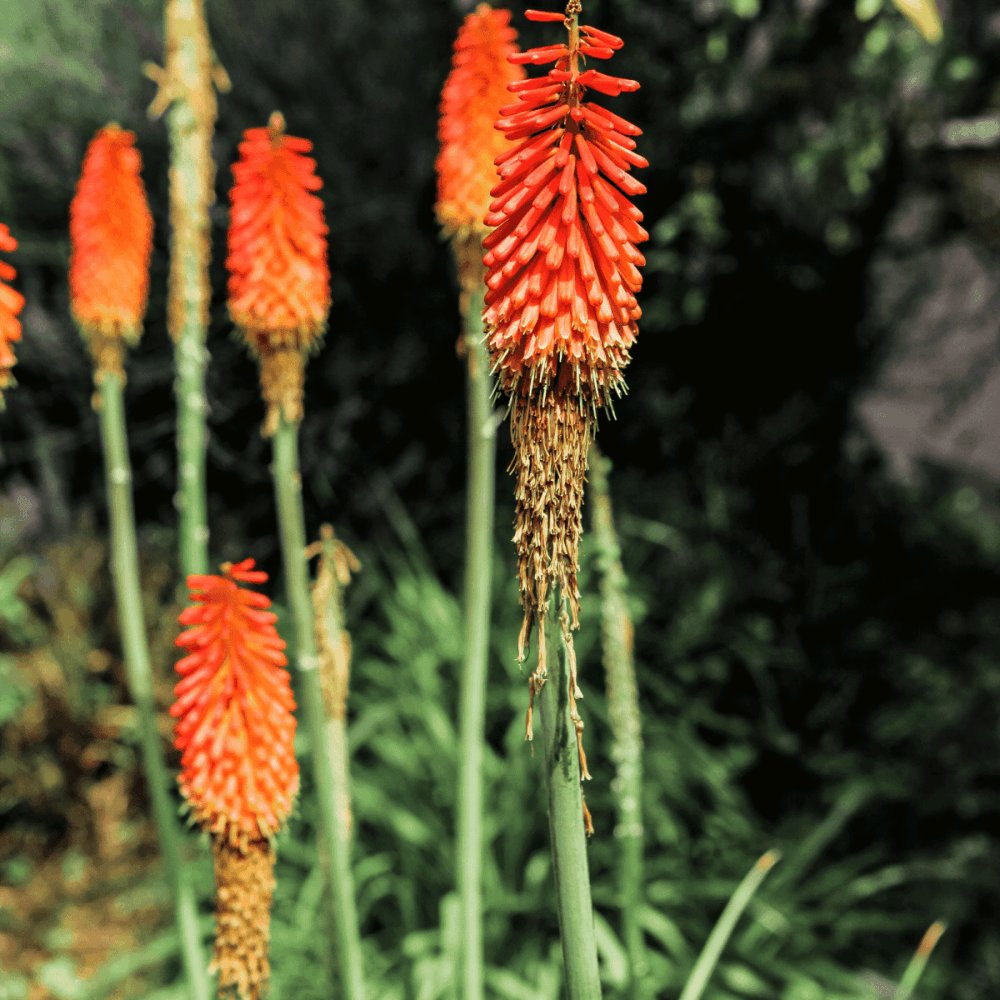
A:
(815, 639)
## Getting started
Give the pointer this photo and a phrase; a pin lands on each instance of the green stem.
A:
(703, 968)
(335, 838)
(916, 967)
(626, 723)
(128, 594)
(561, 764)
(472, 705)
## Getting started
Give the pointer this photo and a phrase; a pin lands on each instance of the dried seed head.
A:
(244, 885)
(234, 710)
(111, 240)
(561, 307)
(11, 303)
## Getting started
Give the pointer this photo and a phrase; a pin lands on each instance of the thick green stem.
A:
(626, 723)
(128, 594)
(472, 705)
(335, 838)
(561, 762)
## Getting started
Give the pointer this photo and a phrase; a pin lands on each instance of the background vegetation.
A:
(817, 644)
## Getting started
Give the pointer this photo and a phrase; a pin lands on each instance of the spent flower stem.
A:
(626, 723)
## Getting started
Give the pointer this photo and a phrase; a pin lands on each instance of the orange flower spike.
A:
(279, 278)
(11, 303)
(234, 706)
(111, 239)
(475, 90)
(561, 310)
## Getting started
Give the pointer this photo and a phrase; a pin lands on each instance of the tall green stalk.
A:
(626, 723)
(480, 486)
(334, 834)
(185, 86)
(128, 594)
(561, 764)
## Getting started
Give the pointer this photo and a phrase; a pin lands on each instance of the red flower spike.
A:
(474, 91)
(111, 240)
(11, 303)
(279, 278)
(561, 310)
(234, 710)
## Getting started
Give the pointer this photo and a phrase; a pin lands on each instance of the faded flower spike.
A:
(279, 279)
(239, 774)
(474, 91)
(11, 303)
(111, 240)
(561, 307)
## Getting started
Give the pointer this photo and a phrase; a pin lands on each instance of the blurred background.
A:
(805, 480)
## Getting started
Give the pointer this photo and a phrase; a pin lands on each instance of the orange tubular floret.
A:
(562, 262)
(234, 707)
(279, 278)
(111, 236)
(11, 303)
(474, 91)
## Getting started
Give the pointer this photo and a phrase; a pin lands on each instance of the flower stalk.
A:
(185, 86)
(470, 101)
(561, 769)
(480, 489)
(111, 241)
(626, 723)
(336, 563)
(334, 829)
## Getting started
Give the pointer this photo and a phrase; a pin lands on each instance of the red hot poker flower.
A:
(11, 303)
(111, 239)
(234, 709)
(561, 306)
(238, 770)
(475, 90)
(279, 278)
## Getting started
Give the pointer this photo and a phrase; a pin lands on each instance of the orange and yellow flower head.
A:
(561, 309)
(236, 731)
(475, 90)
(234, 706)
(11, 303)
(279, 278)
(111, 240)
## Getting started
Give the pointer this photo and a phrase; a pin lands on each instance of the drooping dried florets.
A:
(279, 278)
(561, 306)
(11, 303)
(111, 240)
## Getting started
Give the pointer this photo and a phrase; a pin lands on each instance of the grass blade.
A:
(705, 965)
